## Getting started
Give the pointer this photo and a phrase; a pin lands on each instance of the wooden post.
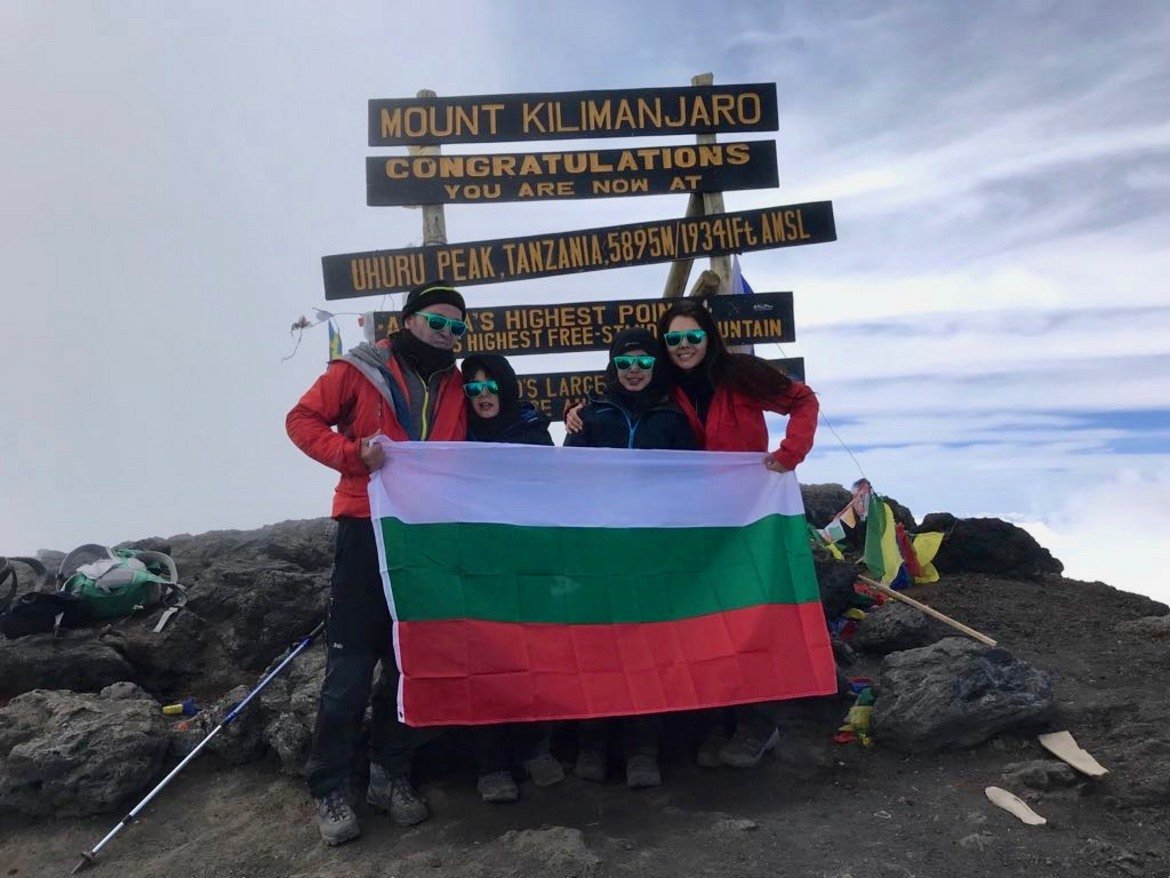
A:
(930, 611)
(434, 222)
(680, 269)
(713, 201)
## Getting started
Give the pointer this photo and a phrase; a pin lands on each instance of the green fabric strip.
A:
(511, 573)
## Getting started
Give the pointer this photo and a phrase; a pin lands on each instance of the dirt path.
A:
(818, 809)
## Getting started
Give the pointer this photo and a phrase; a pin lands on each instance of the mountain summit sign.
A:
(479, 262)
(707, 109)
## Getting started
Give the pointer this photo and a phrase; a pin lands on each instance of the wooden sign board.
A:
(706, 109)
(540, 176)
(509, 330)
(480, 262)
(552, 391)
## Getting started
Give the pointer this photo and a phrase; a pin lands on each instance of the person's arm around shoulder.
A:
(579, 438)
(802, 407)
(310, 423)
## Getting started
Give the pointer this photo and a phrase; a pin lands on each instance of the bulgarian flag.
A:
(536, 583)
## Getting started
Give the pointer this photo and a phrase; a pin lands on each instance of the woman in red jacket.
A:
(725, 395)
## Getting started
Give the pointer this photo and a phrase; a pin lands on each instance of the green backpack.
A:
(118, 583)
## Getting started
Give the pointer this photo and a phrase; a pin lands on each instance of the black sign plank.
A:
(591, 326)
(705, 109)
(480, 262)
(552, 391)
(538, 176)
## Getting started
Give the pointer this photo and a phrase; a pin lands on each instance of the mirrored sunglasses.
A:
(644, 363)
(438, 321)
(475, 388)
(693, 336)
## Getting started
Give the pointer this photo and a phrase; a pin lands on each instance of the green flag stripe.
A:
(559, 575)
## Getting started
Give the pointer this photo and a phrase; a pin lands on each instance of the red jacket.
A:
(735, 422)
(345, 398)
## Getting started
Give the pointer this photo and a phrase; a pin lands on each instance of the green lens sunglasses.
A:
(438, 321)
(694, 336)
(475, 388)
(643, 363)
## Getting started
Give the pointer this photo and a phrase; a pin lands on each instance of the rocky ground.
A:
(1073, 655)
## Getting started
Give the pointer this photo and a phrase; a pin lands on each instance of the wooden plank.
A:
(485, 178)
(375, 272)
(577, 114)
(713, 202)
(434, 221)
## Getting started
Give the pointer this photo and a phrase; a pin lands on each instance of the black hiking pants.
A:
(358, 637)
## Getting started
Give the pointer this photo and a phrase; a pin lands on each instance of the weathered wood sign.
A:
(552, 391)
(536, 176)
(480, 262)
(707, 109)
(591, 326)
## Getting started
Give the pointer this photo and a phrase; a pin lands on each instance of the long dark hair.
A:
(744, 373)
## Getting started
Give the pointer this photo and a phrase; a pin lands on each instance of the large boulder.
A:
(988, 545)
(956, 693)
(289, 707)
(69, 754)
(894, 627)
(76, 660)
(822, 502)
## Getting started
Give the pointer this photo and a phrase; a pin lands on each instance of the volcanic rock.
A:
(988, 545)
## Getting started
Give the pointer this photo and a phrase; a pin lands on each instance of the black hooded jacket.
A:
(519, 422)
(624, 419)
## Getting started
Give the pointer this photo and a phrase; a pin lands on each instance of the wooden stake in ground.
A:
(930, 611)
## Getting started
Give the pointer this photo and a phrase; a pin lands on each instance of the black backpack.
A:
(38, 611)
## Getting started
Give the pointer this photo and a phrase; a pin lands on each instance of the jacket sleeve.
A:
(684, 437)
(311, 421)
(802, 407)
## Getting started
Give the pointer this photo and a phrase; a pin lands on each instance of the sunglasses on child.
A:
(475, 388)
(438, 321)
(643, 363)
(694, 336)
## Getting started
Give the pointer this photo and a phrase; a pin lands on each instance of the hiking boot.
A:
(748, 745)
(590, 764)
(545, 770)
(498, 787)
(395, 794)
(708, 755)
(336, 820)
(642, 771)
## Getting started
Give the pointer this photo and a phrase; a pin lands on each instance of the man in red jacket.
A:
(404, 388)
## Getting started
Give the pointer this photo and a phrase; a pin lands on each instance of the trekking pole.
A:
(89, 858)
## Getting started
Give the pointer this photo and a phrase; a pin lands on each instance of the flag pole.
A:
(930, 611)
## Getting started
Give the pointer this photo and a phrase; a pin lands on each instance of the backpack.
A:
(117, 583)
(38, 611)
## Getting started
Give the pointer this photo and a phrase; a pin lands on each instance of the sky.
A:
(989, 335)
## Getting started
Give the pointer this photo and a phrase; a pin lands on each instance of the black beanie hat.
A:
(425, 295)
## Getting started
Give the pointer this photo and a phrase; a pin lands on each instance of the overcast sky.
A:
(990, 335)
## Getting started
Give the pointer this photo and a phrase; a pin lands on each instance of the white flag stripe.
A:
(485, 483)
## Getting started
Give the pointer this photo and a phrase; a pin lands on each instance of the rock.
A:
(289, 706)
(734, 825)
(1152, 627)
(956, 693)
(75, 660)
(240, 741)
(68, 754)
(557, 852)
(988, 545)
(893, 627)
(1040, 774)
(822, 502)
(976, 841)
(835, 580)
